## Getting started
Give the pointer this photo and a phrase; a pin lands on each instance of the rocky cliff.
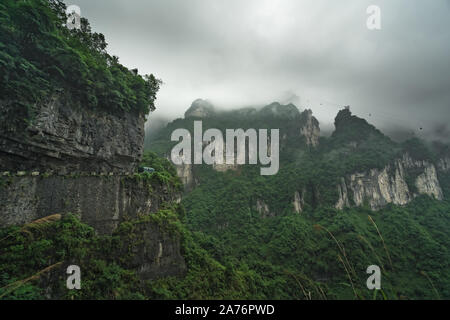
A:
(309, 128)
(398, 183)
(64, 137)
(70, 159)
(200, 109)
(186, 174)
(263, 209)
(299, 200)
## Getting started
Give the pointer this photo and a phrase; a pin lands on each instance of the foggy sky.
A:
(317, 54)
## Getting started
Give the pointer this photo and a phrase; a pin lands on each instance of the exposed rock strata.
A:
(389, 185)
(65, 137)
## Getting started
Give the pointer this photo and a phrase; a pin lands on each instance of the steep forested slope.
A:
(286, 234)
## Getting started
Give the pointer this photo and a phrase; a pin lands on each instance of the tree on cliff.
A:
(39, 57)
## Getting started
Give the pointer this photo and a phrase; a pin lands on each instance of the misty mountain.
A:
(346, 185)
(87, 181)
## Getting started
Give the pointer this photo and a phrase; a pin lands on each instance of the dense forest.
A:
(323, 252)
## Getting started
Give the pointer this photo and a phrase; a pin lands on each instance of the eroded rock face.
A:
(389, 185)
(379, 188)
(101, 202)
(71, 159)
(186, 174)
(200, 109)
(428, 183)
(310, 128)
(263, 209)
(65, 137)
(157, 253)
(299, 201)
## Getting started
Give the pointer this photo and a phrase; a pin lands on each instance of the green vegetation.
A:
(418, 150)
(165, 172)
(232, 250)
(34, 257)
(290, 256)
(25, 252)
(321, 253)
(294, 255)
(40, 57)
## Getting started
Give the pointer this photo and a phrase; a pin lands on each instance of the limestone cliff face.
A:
(200, 109)
(100, 201)
(299, 201)
(389, 185)
(64, 137)
(309, 128)
(343, 200)
(70, 159)
(103, 203)
(263, 209)
(186, 174)
(157, 253)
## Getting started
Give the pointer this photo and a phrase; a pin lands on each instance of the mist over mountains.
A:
(79, 189)
(316, 54)
(435, 131)
(336, 184)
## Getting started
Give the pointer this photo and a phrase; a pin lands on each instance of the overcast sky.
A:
(316, 53)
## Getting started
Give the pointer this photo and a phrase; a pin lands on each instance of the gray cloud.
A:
(252, 52)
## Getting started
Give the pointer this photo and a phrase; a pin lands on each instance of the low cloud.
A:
(316, 52)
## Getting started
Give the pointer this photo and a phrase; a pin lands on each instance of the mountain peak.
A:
(352, 128)
(200, 109)
(343, 117)
(275, 109)
(309, 128)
